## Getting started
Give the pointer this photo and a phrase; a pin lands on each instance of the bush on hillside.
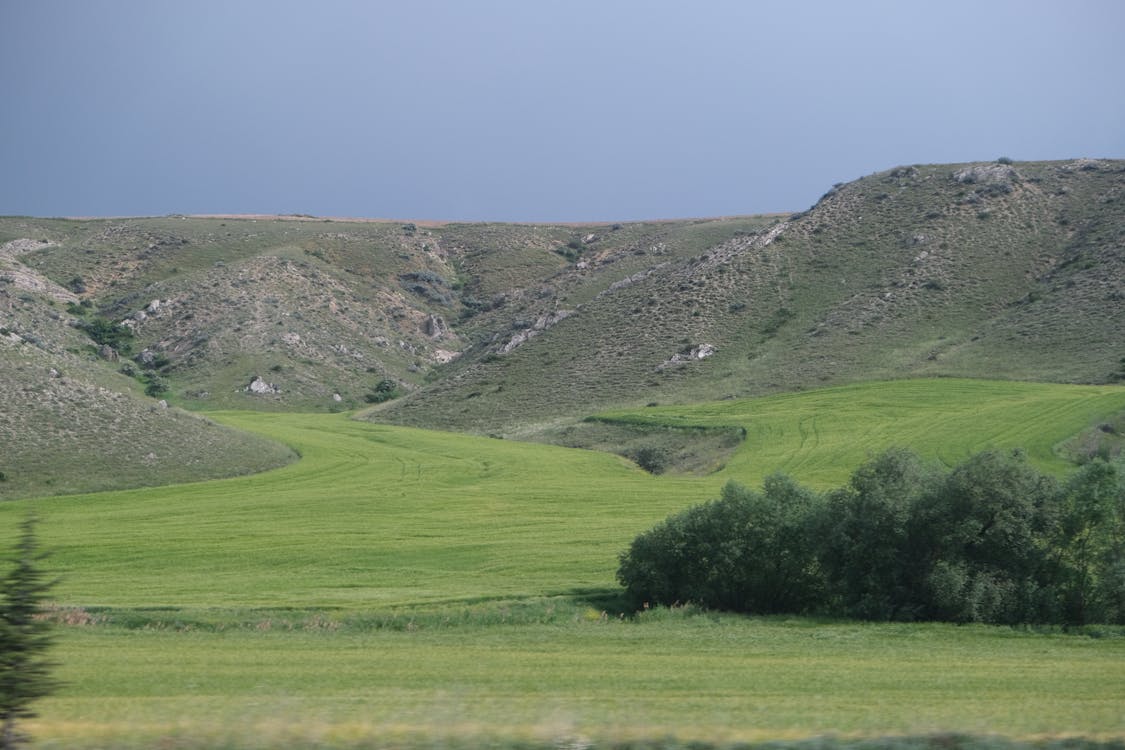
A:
(993, 540)
(385, 390)
(104, 332)
(154, 385)
(651, 459)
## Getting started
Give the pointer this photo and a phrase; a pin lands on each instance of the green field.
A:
(702, 678)
(428, 586)
(820, 436)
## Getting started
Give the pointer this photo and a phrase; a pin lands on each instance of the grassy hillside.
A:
(71, 423)
(986, 270)
(998, 270)
(315, 314)
(401, 587)
(381, 516)
(821, 435)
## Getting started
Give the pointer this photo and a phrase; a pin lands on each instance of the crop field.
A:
(406, 587)
(820, 436)
(574, 677)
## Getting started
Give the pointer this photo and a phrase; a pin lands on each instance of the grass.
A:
(373, 516)
(380, 516)
(401, 587)
(689, 677)
(821, 436)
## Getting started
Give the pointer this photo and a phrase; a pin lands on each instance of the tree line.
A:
(990, 540)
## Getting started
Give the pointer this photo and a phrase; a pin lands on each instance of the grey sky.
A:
(528, 110)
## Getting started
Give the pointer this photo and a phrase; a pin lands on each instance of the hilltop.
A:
(998, 270)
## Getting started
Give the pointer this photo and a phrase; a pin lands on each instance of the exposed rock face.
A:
(541, 324)
(986, 174)
(12, 271)
(694, 354)
(260, 387)
(108, 353)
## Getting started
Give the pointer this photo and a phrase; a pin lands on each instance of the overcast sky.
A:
(533, 110)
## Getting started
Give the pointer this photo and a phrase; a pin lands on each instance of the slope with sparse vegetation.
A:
(1000, 270)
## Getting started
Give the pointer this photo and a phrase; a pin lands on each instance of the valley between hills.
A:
(1000, 270)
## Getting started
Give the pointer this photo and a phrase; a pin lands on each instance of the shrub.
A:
(105, 332)
(746, 552)
(780, 317)
(385, 390)
(154, 385)
(985, 519)
(651, 459)
(993, 540)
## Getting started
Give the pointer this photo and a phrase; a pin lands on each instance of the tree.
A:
(982, 536)
(107, 333)
(24, 637)
(1089, 545)
(746, 551)
(865, 549)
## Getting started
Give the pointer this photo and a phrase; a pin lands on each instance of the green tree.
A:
(865, 549)
(24, 637)
(746, 551)
(1089, 545)
(981, 535)
(107, 333)
(386, 390)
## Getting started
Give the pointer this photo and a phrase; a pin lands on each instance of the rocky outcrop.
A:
(986, 174)
(541, 324)
(13, 272)
(259, 387)
(690, 354)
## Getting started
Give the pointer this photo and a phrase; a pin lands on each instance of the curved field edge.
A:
(820, 436)
(376, 517)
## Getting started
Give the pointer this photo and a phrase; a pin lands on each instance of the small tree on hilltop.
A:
(24, 673)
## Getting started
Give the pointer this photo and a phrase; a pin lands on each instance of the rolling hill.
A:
(994, 270)
(983, 270)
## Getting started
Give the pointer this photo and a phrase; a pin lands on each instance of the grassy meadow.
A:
(820, 436)
(575, 677)
(407, 587)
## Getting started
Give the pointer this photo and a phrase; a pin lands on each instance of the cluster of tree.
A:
(992, 540)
